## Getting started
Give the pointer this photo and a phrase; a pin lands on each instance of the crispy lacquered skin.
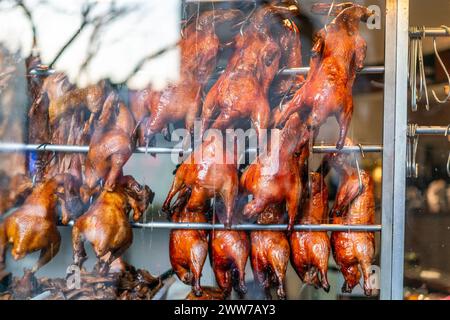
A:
(106, 226)
(291, 57)
(188, 249)
(207, 174)
(229, 254)
(271, 185)
(111, 145)
(270, 252)
(182, 100)
(32, 227)
(241, 92)
(338, 52)
(310, 251)
(352, 250)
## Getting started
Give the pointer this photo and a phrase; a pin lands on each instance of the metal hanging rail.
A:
(18, 147)
(288, 71)
(433, 130)
(254, 227)
(442, 31)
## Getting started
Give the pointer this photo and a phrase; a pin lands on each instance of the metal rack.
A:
(393, 152)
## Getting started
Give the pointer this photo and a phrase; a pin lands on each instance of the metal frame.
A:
(394, 149)
(394, 153)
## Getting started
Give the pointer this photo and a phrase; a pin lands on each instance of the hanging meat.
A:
(32, 227)
(106, 226)
(310, 250)
(354, 204)
(241, 92)
(199, 46)
(111, 146)
(270, 252)
(338, 53)
(275, 177)
(229, 252)
(208, 172)
(188, 248)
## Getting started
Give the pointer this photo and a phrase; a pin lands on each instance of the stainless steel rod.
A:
(18, 147)
(305, 70)
(430, 32)
(250, 227)
(253, 227)
(289, 71)
(433, 130)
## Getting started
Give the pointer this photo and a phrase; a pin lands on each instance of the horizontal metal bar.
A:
(305, 70)
(254, 227)
(250, 227)
(288, 71)
(429, 32)
(17, 147)
(433, 130)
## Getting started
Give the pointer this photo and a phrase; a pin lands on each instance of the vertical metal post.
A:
(394, 150)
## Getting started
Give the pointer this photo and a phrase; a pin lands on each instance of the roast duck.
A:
(106, 225)
(338, 53)
(275, 177)
(111, 146)
(209, 172)
(310, 251)
(188, 248)
(354, 204)
(241, 92)
(182, 100)
(270, 252)
(229, 252)
(33, 226)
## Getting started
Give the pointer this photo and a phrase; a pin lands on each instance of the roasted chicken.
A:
(275, 177)
(199, 49)
(310, 250)
(106, 226)
(354, 204)
(111, 146)
(32, 227)
(338, 53)
(241, 92)
(208, 172)
(270, 252)
(188, 248)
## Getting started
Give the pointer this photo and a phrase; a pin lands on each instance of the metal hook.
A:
(448, 165)
(360, 183)
(447, 131)
(447, 98)
(361, 150)
(412, 168)
(241, 32)
(328, 16)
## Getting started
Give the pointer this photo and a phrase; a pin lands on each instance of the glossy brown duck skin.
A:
(32, 227)
(338, 52)
(353, 206)
(241, 92)
(105, 225)
(229, 252)
(111, 145)
(310, 251)
(269, 186)
(270, 252)
(188, 248)
(283, 86)
(199, 46)
(207, 173)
